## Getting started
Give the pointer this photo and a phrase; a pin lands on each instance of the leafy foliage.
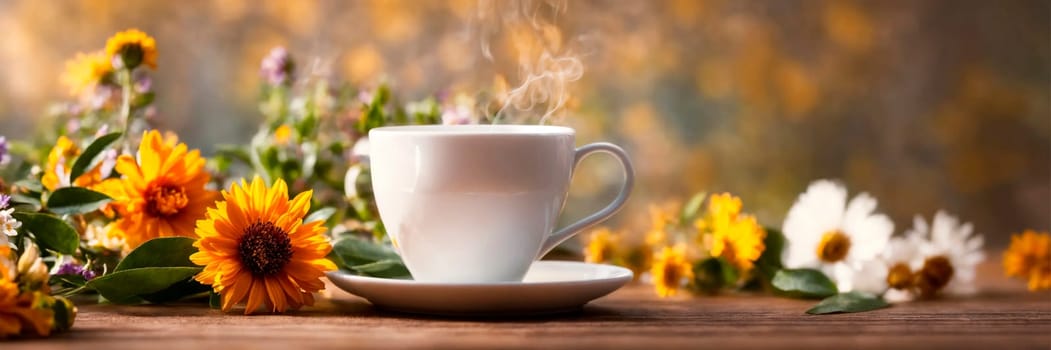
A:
(75, 200)
(847, 303)
(803, 283)
(157, 271)
(369, 258)
(50, 232)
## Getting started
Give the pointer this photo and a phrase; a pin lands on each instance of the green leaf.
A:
(92, 155)
(50, 231)
(803, 283)
(847, 303)
(160, 252)
(177, 291)
(689, 211)
(357, 252)
(129, 286)
(23, 199)
(234, 152)
(30, 185)
(74, 281)
(770, 261)
(75, 200)
(392, 268)
(143, 100)
(320, 215)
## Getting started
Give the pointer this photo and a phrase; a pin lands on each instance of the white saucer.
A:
(548, 287)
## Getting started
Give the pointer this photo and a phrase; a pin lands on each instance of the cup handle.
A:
(629, 180)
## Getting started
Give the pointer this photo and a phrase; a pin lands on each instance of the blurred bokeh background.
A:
(926, 105)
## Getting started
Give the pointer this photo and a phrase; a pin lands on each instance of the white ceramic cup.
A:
(479, 203)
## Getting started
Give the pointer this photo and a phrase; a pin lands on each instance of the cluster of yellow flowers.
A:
(126, 50)
(695, 248)
(251, 239)
(676, 243)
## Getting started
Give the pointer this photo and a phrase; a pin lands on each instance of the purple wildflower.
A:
(4, 201)
(4, 157)
(458, 111)
(72, 125)
(365, 96)
(73, 268)
(277, 67)
(143, 83)
(117, 62)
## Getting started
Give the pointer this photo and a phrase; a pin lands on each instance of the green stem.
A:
(257, 162)
(125, 109)
(74, 291)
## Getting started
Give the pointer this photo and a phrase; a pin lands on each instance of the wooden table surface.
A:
(1003, 316)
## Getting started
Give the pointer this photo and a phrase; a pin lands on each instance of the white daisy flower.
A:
(8, 225)
(950, 256)
(903, 256)
(869, 277)
(841, 239)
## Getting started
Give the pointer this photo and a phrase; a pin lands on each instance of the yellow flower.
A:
(640, 258)
(255, 247)
(60, 163)
(283, 134)
(724, 207)
(735, 237)
(22, 312)
(671, 270)
(133, 47)
(85, 71)
(19, 311)
(741, 243)
(602, 246)
(161, 195)
(1029, 257)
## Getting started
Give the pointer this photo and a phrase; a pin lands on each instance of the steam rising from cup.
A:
(546, 67)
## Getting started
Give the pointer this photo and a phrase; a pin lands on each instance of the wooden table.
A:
(1003, 316)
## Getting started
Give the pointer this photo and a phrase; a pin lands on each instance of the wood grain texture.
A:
(1003, 316)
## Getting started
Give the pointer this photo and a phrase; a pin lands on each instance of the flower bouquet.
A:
(133, 215)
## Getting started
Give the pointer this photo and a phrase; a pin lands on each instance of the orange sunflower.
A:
(255, 247)
(162, 194)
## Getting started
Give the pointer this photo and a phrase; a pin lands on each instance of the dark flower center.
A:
(672, 275)
(834, 246)
(899, 276)
(265, 249)
(165, 200)
(936, 273)
(132, 55)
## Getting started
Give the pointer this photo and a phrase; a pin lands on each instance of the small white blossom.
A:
(8, 225)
